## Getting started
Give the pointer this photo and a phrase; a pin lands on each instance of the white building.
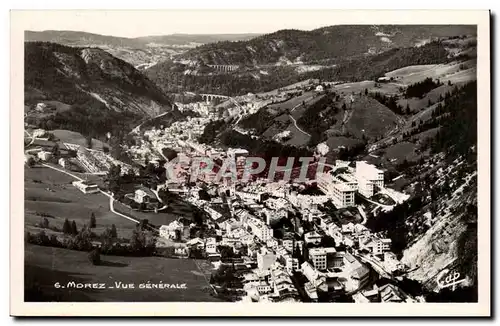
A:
(315, 278)
(86, 187)
(368, 177)
(44, 155)
(319, 257)
(289, 244)
(377, 246)
(211, 246)
(141, 196)
(171, 231)
(213, 213)
(260, 229)
(312, 237)
(341, 189)
(265, 260)
(291, 264)
(63, 162)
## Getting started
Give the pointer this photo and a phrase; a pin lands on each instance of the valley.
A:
(115, 129)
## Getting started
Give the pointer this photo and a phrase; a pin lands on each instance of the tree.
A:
(366, 91)
(44, 223)
(30, 162)
(449, 82)
(88, 141)
(113, 231)
(67, 227)
(74, 230)
(92, 223)
(143, 223)
(55, 150)
(95, 256)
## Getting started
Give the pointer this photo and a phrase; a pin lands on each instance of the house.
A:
(86, 187)
(263, 287)
(44, 155)
(260, 229)
(215, 215)
(348, 228)
(272, 243)
(282, 284)
(211, 245)
(376, 246)
(265, 260)
(41, 107)
(311, 291)
(63, 162)
(195, 243)
(322, 258)
(28, 157)
(290, 247)
(312, 237)
(141, 196)
(359, 277)
(317, 279)
(173, 231)
(359, 273)
(390, 293)
(39, 133)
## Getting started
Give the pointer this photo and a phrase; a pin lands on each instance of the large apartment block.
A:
(322, 258)
(341, 188)
(368, 177)
(260, 229)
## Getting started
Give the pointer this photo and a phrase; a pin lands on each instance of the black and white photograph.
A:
(300, 161)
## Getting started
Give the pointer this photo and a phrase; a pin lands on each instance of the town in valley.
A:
(252, 171)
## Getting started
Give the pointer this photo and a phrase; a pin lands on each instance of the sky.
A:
(128, 23)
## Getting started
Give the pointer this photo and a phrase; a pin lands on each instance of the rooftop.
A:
(322, 251)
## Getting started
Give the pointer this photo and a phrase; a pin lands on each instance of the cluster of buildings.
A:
(364, 179)
(296, 251)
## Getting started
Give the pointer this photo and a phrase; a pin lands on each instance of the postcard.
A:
(283, 163)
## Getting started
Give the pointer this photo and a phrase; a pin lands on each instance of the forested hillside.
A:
(173, 77)
(322, 44)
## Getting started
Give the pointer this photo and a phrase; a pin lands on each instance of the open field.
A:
(335, 142)
(299, 138)
(44, 266)
(293, 102)
(158, 219)
(51, 192)
(77, 138)
(453, 71)
(400, 152)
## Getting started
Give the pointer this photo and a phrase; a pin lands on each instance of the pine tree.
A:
(92, 223)
(74, 229)
(45, 223)
(67, 227)
(113, 231)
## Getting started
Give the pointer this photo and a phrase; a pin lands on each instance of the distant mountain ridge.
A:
(323, 44)
(76, 38)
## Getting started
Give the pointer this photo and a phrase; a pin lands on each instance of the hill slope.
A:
(322, 44)
(81, 75)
